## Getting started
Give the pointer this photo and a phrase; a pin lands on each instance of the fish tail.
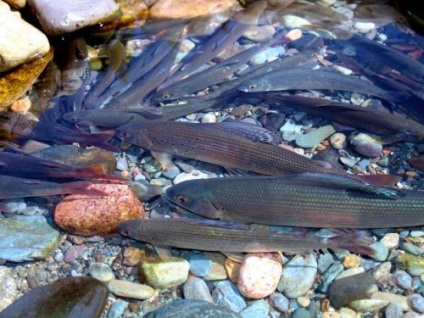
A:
(81, 187)
(357, 242)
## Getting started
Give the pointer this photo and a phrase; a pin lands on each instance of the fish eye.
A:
(252, 86)
(182, 199)
(125, 134)
(166, 96)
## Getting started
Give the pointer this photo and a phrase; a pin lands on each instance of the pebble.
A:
(68, 16)
(338, 141)
(208, 118)
(366, 146)
(301, 313)
(364, 27)
(380, 251)
(268, 54)
(414, 265)
(303, 301)
(324, 262)
(315, 137)
(391, 240)
(122, 163)
(298, 275)
(187, 9)
(196, 288)
(393, 311)
(171, 173)
(233, 269)
(392, 298)
(226, 294)
(8, 288)
(351, 261)
(402, 279)
(144, 190)
(367, 305)
(330, 275)
(293, 35)
(101, 271)
(132, 256)
(217, 271)
(98, 215)
(25, 238)
(416, 301)
(130, 290)
(194, 175)
(279, 302)
(290, 130)
(200, 265)
(117, 309)
(260, 33)
(351, 272)
(259, 275)
(256, 309)
(165, 274)
(411, 248)
(13, 205)
(73, 252)
(347, 313)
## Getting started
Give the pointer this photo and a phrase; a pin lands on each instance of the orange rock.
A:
(351, 261)
(90, 215)
(186, 9)
(233, 269)
(21, 105)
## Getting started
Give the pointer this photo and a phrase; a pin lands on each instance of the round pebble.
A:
(391, 240)
(380, 251)
(364, 27)
(279, 302)
(338, 141)
(259, 275)
(403, 279)
(301, 313)
(299, 275)
(101, 271)
(130, 290)
(351, 261)
(200, 265)
(416, 301)
(196, 288)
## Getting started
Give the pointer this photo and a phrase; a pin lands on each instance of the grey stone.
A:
(117, 309)
(403, 279)
(12, 205)
(301, 313)
(411, 248)
(226, 295)
(416, 301)
(330, 275)
(324, 262)
(101, 271)
(381, 251)
(144, 190)
(8, 288)
(393, 311)
(256, 309)
(200, 265)
(279, 302)
(299, 275)
(171, 173)
(25, 238)
(314, 137)
(196, 288)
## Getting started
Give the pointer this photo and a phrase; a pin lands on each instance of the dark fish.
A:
(309, 200)
(218, 144)
(381, 121)
(67, 297)
(301, 78)
(212, 235)
(13, 187)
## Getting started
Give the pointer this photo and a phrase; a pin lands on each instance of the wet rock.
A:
(393, 311)
(416, 302)
(301, 313)
(130, 289)
(402, 279)
(8, 288)
(380, 251)
(132, 256)
(87, 299)
(200, 265)
(351, 272)
(298, 275)
(233, 269)
(186, 9)
(20, 42)
(171, 173)
(256, 309)
(165, 274)
(267, 55)
(12, 205)
(18, 4)
(290, 130)
(73, 252)
(364, 27)
(98, 215)
(366, 145)
(399, 300)
(391, 240)
(191, 308)
(67, 16)
(414, 265)
(338, 141)
(315, 137)
(144, 190)
(345, 290)
(411, 248)
(226, 295)
(259, 275)
(279, 302)
(117, 309)
(101, 271)
(324, 262)
(330, 275)
(347, 313)
(260, 33)
(351, 261)
(195, 174)
(25, 238)
(196, 288)
(272, 121)
(366, 305)
(217, 271)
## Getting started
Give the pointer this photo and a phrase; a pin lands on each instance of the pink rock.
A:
(259, 275)
(98, 215)
(73, 252)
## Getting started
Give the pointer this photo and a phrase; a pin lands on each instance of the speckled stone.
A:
(98, 215)
(298, 275)
(117, 309)
(162, 274)
(130, 290)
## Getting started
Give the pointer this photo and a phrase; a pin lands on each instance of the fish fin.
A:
(165, 159)
(357, 242)
(81, 187)
(251, 132)
(385, 180)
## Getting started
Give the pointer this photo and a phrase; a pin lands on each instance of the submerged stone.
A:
(26, 238)
(66, 297)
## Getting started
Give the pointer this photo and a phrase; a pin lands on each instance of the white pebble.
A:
(364, 27)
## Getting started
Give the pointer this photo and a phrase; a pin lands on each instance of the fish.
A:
(219, 144)
(14, 187)
(213, 235)
(378, 121)
(298, 78)
(307, 200)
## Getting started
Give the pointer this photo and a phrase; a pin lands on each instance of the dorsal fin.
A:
(250, 131)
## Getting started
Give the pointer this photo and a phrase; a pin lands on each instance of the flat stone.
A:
(200, 265)
(132, 256)
(186, 9)
(101, 271)
(20, 42)
(366, 305)
(117, 309)
(196, 288)
(256, 309)
(298, 275)
(226, 295)
(416, 301)
(18, 4)
(165, 274)
(144, 190)
(380, 251)
(68, 16)
(27, 238)
(279, 302)
(399, 300)
(414, 265)
(391, 240)
(8, 288)
(217, 271)
(315, 137)
(130, 290)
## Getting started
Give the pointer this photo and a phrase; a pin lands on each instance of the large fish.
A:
(212, 235)
(225, 144)
(310, 200)
(13, 187)
(300, 78)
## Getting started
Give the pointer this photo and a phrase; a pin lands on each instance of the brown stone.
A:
(18, 4)
(132, 256)
(233, 269)
(98, 215)
(186, 9)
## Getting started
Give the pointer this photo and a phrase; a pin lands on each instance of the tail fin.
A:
(357, 242)
(80, 187)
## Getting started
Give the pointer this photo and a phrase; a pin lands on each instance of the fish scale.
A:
(311, 200)
(210, 143)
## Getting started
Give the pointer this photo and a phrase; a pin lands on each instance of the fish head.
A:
(133, 133)
(258, 85)
(131, 228)
(193, 196)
